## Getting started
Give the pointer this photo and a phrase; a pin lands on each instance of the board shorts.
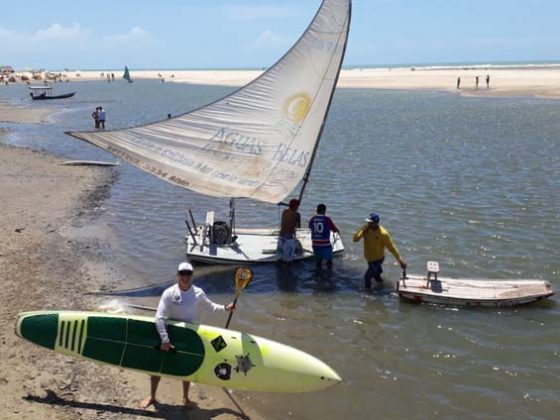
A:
(375, 269)
(287, 247)
(324, 252)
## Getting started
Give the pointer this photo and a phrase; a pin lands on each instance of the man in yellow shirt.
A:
(376, 239)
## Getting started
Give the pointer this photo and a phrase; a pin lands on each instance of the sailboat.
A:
(126, 75)
(259, 142)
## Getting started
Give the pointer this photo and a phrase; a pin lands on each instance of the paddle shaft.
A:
(231, 312)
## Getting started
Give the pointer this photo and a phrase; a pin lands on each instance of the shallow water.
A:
(473, 183)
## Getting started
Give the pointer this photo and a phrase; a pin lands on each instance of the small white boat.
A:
(470, 292)
(89, 163)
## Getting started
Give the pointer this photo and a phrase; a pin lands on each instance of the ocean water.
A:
(473, 183)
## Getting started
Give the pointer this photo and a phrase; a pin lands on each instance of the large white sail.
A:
(257, 142)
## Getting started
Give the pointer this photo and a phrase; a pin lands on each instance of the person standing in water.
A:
(376, 239)
(101, 113)
(291, 220)
(180, 302)
(321, 227)
(95, 116)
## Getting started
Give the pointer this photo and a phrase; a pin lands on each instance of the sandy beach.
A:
(532, 81)
(53, 252)
(13, 114)
(48, 262)
(522, 81)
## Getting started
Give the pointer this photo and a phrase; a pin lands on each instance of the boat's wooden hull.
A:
(473, 292)
(254, 246)
(45, 97)
(89, 163)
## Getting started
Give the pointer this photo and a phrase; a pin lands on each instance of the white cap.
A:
(185, 266)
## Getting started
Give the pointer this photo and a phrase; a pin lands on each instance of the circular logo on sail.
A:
(297, 106)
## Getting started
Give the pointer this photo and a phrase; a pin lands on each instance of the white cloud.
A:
(5, 33)
(135, 34)
(59, 32)
(62, 46)
(269, 40)
(53, 34)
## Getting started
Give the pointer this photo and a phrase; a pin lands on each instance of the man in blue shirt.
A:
(321, 227)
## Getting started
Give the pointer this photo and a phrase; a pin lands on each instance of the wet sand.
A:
(47, 262)
(13, 114)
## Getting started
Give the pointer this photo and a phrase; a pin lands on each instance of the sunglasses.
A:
(185, 273)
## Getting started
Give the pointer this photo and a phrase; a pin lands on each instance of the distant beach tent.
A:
(126, 75)
(6, 70)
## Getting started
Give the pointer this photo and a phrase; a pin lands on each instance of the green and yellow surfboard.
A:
(202, 353)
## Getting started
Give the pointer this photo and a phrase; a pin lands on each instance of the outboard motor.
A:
(221, 233)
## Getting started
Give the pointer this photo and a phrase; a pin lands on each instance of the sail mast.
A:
(312, 160)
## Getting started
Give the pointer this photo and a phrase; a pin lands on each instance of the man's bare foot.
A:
(146, 402)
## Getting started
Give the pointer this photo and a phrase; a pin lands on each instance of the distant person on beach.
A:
(291, 220)
(113, 77)
(376, 239)
(168, 116)
(108, 77)
(95, 116)
(101, 117)
(180, 302)
(487, 81)
(476, 82)
(458, 83)
(321, 227)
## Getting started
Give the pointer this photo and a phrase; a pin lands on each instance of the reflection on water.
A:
(472, 183)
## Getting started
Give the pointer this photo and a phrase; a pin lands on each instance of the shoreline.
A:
(527, 81)
(50, 258)
(10, 113)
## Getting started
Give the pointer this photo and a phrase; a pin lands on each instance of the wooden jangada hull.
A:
(473, 292)
(45, 97)
(254, 246)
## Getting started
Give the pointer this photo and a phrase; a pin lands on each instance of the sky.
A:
(177, 34)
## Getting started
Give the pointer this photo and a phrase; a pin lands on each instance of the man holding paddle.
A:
(180, 302)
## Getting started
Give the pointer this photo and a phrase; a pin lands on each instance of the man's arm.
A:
(161, 316)
(359, 234)
(391, 247)
(212, 306)
(332, 225)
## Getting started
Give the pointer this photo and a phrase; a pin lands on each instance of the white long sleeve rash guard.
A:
(182, 306)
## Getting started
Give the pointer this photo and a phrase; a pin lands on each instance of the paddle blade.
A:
(242, 276)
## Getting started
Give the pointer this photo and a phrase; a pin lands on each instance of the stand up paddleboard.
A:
(203, 354)
(470, 292)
